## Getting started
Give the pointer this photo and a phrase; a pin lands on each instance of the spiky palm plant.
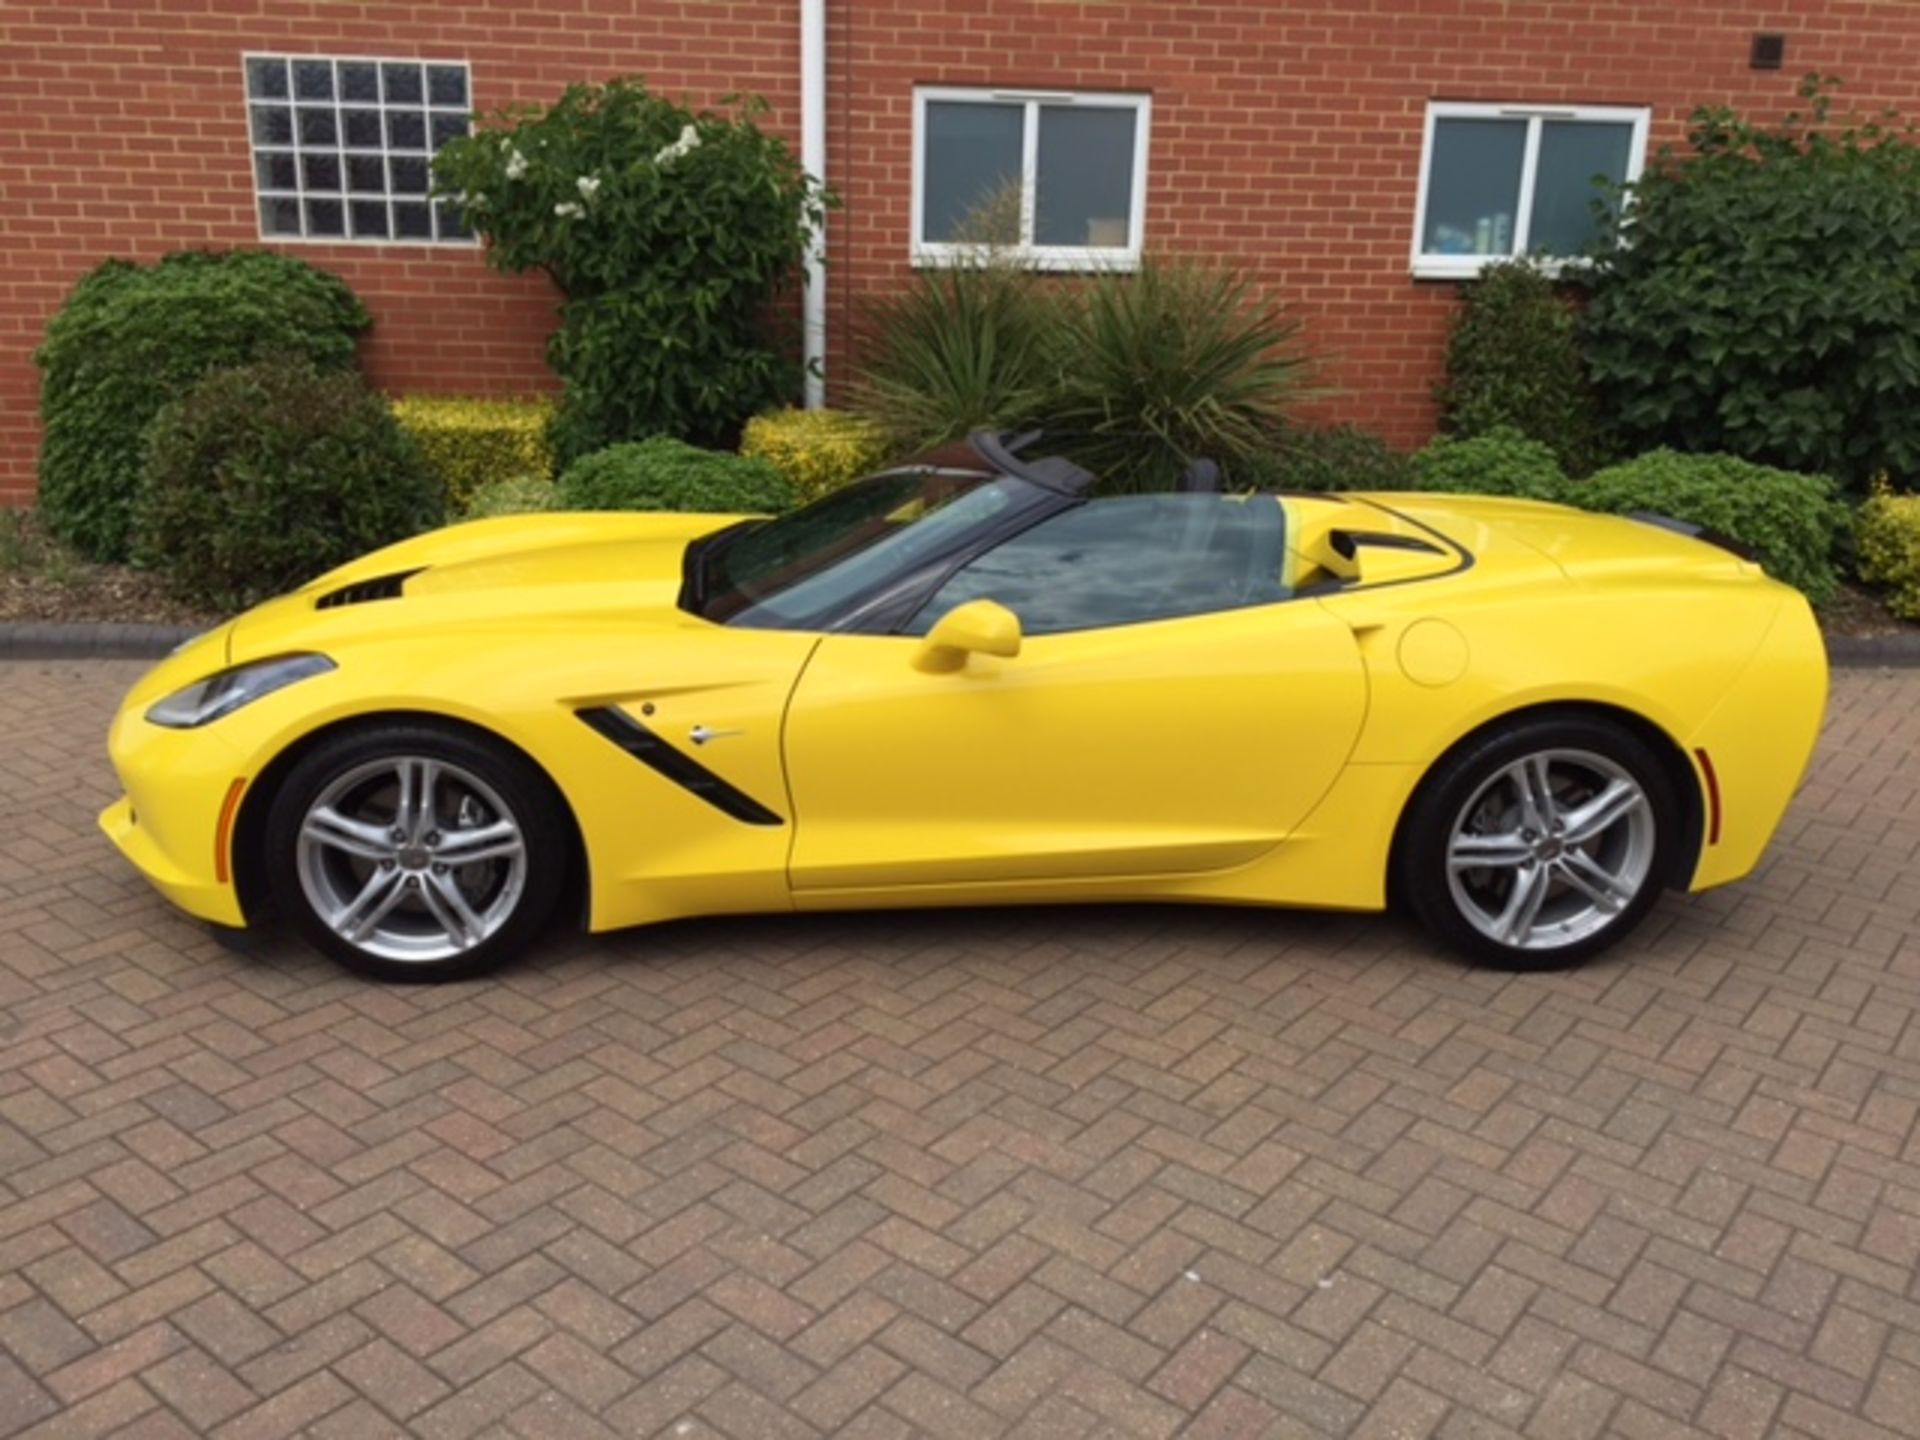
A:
(958, 350)
(1177, 361)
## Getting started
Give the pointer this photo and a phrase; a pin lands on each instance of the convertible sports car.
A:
(981, 682)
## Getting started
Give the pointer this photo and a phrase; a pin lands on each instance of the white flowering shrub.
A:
(670, 233)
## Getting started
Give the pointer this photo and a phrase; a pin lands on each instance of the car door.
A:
(1172, 709)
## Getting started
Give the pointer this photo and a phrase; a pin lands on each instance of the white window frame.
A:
(299, 194)
(1039, 257)
(1465, 267)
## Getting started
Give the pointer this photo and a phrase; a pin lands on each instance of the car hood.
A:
(520, 573)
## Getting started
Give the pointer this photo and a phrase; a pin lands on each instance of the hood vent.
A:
(380, 587)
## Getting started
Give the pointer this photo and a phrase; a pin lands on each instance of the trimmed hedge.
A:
(817, 450)
(1792, 522)
(663, 474)
(265, 475)
(130, 338)
(471, 443)
(517, 495)
(1338, 457)
(1500, 462)
(1513, 359)
(1889, 535)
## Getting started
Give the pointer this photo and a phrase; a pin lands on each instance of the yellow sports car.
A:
(983, 682)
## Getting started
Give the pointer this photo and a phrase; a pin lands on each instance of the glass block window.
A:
(343, 149)
(1506, 180)
(1057, 179)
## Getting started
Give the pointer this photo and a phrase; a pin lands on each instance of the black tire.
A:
(498, 783)
(1479, 772)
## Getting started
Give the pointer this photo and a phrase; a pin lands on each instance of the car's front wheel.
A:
(415, 852)
(1541, 844)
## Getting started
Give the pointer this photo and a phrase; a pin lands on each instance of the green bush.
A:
(1769, 301)
(1500, 462)
(472, 443)
(515, 495)
(1337, 457)
(1177, 361)
(817, 450)
(1513, 359)
(1792, 522)
(959, 349)
(130, 338)
(669, 231)
(265, 475)
(1889, 535)
(663, 474)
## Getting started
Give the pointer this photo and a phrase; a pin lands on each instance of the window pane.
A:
(324, 217)
(1125, 560)
(409, 174)
(317, 127)
(366, 172)
(313, 79)
(267, 78)
(446, 85)
(272, 125)
(1085, 178)
(1572, 154)
(449, 221)
(412, 220)
(360, 80)
(972, 171)
(369, 218)
(280, 215)
(447, 127)
(402, 84)
(321, 171)
(274, 170)
(406, 129)
(1473, 188)
(362, 127)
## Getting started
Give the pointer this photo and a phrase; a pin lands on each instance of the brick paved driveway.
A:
(1122, 1172)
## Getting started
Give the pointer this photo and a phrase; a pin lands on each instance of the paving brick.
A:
(1048, 1172)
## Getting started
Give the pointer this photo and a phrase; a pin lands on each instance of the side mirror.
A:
(979, 627)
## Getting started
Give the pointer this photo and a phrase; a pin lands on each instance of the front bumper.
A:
(177, 783)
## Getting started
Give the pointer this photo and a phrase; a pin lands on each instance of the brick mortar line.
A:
(127, 640)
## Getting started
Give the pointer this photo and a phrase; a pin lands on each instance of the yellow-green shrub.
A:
(817, 450)
(516, 495)
(471, 443)
(1889, 537)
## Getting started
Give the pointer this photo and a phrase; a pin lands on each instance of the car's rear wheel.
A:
(1540, 844)
(412, 852)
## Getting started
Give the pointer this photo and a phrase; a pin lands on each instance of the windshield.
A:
(788, 572)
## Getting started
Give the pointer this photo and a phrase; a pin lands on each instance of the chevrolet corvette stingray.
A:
(981, 682)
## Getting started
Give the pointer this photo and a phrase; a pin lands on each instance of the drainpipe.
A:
(813, 157)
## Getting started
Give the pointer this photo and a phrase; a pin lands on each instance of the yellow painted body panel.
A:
(1256, 756)
(1118, 752)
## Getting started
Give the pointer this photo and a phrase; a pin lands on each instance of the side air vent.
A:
(381, 587)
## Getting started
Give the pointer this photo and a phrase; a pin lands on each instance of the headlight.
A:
(222, 694)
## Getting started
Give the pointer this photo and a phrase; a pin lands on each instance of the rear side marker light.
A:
(223, 832)
(1713, 796)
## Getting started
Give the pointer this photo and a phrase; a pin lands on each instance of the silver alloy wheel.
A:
(1551, 849)
(411, 858)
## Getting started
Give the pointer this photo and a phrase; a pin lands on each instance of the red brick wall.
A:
(1286, 136)
(123, 132)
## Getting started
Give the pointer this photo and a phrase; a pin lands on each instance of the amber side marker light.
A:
(1713, 797)
(223, 832)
